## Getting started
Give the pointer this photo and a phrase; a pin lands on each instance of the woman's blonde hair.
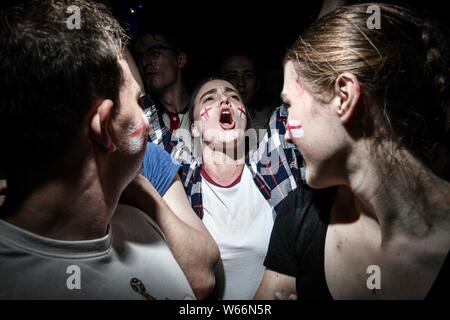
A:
(403, 69)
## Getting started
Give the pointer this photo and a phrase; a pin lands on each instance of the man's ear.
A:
(182, 60)
(348, 90)
(101, 125)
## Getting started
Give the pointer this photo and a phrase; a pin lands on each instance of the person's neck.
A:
(175, 98)
(405, 200)
(221, 166)
(69, 210)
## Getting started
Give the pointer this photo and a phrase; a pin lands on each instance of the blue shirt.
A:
(159, 168)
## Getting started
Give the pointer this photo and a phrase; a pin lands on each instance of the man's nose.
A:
(241, 81)
(148, 60)
(151, 62)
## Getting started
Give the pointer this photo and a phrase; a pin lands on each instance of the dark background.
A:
(212, 29)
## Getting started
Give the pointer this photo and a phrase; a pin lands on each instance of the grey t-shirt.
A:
(132, 261)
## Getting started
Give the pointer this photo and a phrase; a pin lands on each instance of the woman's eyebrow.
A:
(208, 92)
(228, 89)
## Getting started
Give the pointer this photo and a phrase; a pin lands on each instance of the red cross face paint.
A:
(221, 116)
(204, 114)
(295, 129)
(242, 112)
(138, 132)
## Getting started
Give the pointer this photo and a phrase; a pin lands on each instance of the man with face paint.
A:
(63, 234)
(234, 192)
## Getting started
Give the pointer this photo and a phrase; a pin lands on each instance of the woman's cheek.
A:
(295, 129)
(205, 113)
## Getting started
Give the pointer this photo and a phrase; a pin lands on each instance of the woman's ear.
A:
(348, 90)
(101, 125)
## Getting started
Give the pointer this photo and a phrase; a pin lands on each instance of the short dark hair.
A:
(50, 76)
(173, 40)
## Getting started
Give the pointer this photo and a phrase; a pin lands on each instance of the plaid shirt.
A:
(274, 164)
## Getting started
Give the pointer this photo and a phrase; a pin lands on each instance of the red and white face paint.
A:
(295, 129)
(204, 113)
(242, 112)
(221, 115)
(138, 133)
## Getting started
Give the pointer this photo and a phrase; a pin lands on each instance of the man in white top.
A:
(73, 136)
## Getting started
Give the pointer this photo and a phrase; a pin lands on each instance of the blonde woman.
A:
(369, 111)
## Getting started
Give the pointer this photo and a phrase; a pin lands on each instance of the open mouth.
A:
(226, 120)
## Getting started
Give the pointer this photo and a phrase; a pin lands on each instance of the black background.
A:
(212, 29)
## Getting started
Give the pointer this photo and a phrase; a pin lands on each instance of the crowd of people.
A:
(118, 182)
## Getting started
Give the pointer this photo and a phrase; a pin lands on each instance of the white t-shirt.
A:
(240, 220)
(131, 262)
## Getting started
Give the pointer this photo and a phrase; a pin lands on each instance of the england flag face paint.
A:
(295, 128)
(204, 114)
(242, 112)
(138, 132)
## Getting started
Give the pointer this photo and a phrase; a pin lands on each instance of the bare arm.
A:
(182, 208)
(276, 285)
(190, 242)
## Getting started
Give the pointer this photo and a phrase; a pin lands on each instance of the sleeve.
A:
(159, 168)
(281, 253)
